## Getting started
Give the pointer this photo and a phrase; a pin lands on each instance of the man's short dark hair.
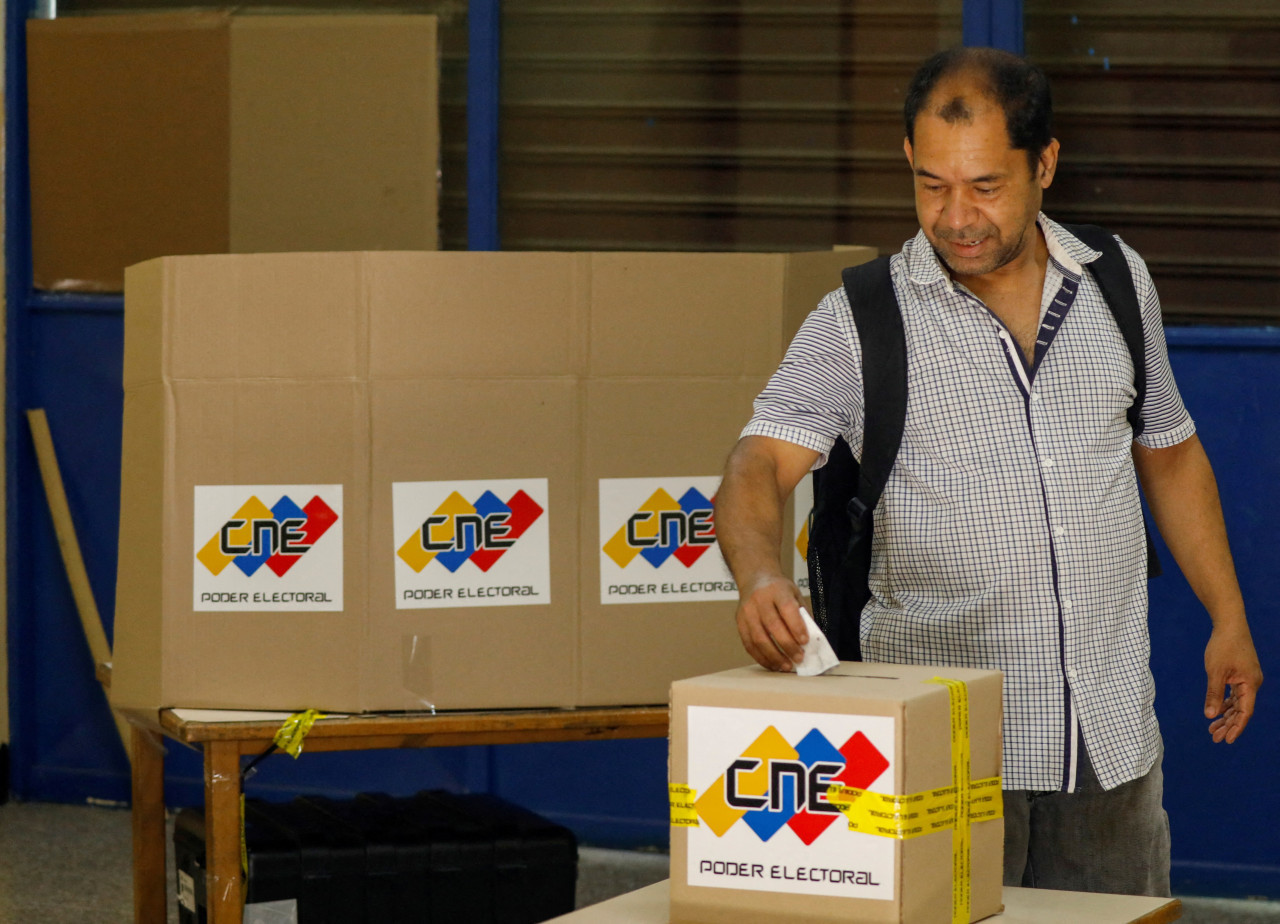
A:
(1018, 87)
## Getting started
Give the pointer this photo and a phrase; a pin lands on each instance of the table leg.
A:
(222, 832)
(149, 887)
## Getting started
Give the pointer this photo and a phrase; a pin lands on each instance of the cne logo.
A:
(664, 528)
(276, 536)
(775, 784)
(460, 531)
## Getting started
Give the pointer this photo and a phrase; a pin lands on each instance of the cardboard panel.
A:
(476, 314)
(140, 625)
(247, 437)
(810, 276)
(685, 314)
(668, 436)
(129, 122)
(334, 133)
(457, 441)
(144, 329)
(294, 316)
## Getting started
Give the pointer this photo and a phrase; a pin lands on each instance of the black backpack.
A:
(845, 493)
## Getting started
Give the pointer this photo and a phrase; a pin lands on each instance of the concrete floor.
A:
(61, 864)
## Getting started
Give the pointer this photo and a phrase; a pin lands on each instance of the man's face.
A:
(976, 197)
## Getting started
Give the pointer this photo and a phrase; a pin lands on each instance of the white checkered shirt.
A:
(1010, 532)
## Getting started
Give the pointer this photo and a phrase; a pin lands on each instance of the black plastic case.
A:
(432, 858)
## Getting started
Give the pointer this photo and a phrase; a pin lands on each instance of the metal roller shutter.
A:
(1168, 116)
(640, 124)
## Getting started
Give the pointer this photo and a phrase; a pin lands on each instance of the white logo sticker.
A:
(471, 543)
(760, 780)
(267, 547)
(658, 541)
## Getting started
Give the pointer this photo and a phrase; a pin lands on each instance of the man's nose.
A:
(958, 210)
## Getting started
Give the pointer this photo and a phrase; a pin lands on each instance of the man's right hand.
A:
(770, 625)
(759, 476)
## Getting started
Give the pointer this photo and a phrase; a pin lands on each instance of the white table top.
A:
(1021, 906)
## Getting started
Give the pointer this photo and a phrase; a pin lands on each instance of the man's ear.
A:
(1048, 165)
(906, 149)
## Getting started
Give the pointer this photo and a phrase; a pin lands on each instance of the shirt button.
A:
(1048, 463)
(1066, 604)
(1059, 532)
(1035, 396)
(1071, 673)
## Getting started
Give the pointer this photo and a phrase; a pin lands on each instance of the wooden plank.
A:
(461, 739)
(72, 560)
(424, 730)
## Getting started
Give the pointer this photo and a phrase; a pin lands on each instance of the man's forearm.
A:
(1183, 495)
(748, 516)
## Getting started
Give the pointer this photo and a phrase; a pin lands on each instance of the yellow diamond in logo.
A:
(714, 811)
(619, 550)
(712, 807)
(414, 553)
(643, 525)
(212, 556)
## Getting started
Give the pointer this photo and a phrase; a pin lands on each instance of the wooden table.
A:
(1021, 906)
(225, 743)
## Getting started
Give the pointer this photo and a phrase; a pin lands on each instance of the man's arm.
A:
(1183, 496)
(759, 477)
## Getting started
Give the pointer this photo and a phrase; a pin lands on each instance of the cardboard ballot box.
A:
(869, 794)
(385, 481)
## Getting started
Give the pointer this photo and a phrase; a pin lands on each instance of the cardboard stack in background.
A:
(777, 741)
(206, 132)
(556, 381)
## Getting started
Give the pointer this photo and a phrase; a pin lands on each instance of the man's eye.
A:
(985, 190)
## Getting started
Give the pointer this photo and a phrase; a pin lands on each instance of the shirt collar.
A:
(925, 269)
(1070, 252)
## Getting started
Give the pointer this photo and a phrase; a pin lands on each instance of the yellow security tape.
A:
(684, 814)
(909, 816)
(291, 734)
(881, 814)
(986, 800)
(961, 900)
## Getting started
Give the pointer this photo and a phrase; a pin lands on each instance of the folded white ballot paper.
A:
(818, 654)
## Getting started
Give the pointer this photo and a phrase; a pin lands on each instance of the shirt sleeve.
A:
(1165, 420)
(816, 394)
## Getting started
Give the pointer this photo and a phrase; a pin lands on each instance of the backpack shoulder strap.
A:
(1111, 271)
(878, 319)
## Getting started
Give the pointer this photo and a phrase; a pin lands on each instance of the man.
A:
(1010, 533)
